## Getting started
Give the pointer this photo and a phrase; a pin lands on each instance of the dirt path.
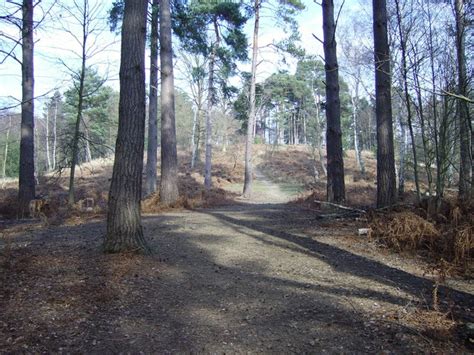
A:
(265, 191)
(250, 277)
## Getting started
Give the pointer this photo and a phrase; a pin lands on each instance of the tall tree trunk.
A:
(26, 189)
(463, 110)
(386, 181)
(7, 142)
(407, 96)
(77, 127)
(423, 127)
(48, 159)
(169, 157)
(305, 140)
(193, 138)
(55, 118)
(248, 180)
(80, 104)
(88, 145)
(358, 154)
(124, 230)
(151, 160)
(317, 103)
(439, 174)
(402, 152)
(211, 98)
(335, 177)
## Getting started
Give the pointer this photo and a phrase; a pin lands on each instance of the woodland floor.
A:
(253, 276)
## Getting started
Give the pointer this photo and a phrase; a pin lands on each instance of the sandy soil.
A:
(255, 276)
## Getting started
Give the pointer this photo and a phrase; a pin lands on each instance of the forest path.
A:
(245, 278)
(265, 191)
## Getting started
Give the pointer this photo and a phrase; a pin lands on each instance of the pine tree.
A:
(386, 185)
(124, 230)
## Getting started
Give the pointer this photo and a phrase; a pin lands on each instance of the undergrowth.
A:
(443, 234)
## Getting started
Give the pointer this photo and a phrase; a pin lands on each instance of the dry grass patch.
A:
(403, 231)
(443, 235)
(430, 323)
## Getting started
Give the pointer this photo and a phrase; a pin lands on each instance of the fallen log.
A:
(341, 206)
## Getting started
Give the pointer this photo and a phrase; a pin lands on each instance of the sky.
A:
(56, 50)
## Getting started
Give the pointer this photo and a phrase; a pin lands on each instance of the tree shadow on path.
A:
(266, 219)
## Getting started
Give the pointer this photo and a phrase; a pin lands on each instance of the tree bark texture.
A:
(124, 230)
(386, 180)
(151, 160)
(335, 163)
(248, 179)
(463, 110)
(26, 190)
(169, 158)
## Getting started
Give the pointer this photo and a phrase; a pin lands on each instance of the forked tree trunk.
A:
(151, 160)
(386, 181)
(335, 167)
(124, 229)
(169, 158)
(26, 190)
(248, 178)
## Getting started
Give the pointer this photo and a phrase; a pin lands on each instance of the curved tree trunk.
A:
(386, 181)
(169, 158)
(26, 188)
(151, 160)
(124, 230)
(335, 166)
